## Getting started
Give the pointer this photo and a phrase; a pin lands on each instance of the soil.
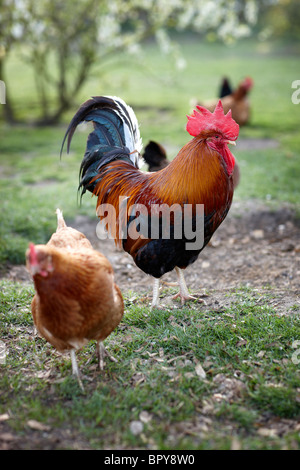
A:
(257, 246)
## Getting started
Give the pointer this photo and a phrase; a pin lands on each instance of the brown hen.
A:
(76, 297)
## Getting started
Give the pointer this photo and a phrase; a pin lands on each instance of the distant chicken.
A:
(155, 156)
(237, 100)
(225, 88)
(76, 298)
(201, 174)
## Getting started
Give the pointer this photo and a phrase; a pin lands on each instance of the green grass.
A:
(247, 344)
(275, 174)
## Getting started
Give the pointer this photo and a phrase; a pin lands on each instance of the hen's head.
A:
(39, 260)
(247, 83)
(218, 130)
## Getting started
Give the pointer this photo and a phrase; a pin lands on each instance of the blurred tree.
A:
(283, 19)
(64, 39)
(11, 30)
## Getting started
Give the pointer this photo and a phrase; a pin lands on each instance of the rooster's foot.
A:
(157, 307)
(189, 298)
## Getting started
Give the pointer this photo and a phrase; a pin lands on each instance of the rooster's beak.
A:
(232, 142)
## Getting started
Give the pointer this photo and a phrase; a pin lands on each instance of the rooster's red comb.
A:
(217, 121)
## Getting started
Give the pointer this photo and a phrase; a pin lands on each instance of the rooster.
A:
(237, 101)
(201, 173)
(76, 298)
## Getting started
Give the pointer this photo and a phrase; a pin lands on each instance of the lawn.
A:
(193, 377)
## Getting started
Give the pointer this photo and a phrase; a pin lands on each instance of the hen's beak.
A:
(34, 269)
(37, 269)
(34, 266)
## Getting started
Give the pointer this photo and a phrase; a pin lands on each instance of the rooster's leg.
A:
(103, 352)
(183, 292)
(155, 298)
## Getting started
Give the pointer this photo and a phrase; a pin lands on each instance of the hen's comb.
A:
(247, 83)
(217, 121)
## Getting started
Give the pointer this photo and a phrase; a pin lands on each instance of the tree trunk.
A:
(65, 95)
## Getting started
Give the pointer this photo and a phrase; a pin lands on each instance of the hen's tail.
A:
(225, 88)
(115, 136)
(60, 220)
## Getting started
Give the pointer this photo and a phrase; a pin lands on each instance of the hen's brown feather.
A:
(78, 301)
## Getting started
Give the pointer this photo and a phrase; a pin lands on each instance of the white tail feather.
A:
(132, 133)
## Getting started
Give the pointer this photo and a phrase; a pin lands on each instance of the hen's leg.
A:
(75, 370)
